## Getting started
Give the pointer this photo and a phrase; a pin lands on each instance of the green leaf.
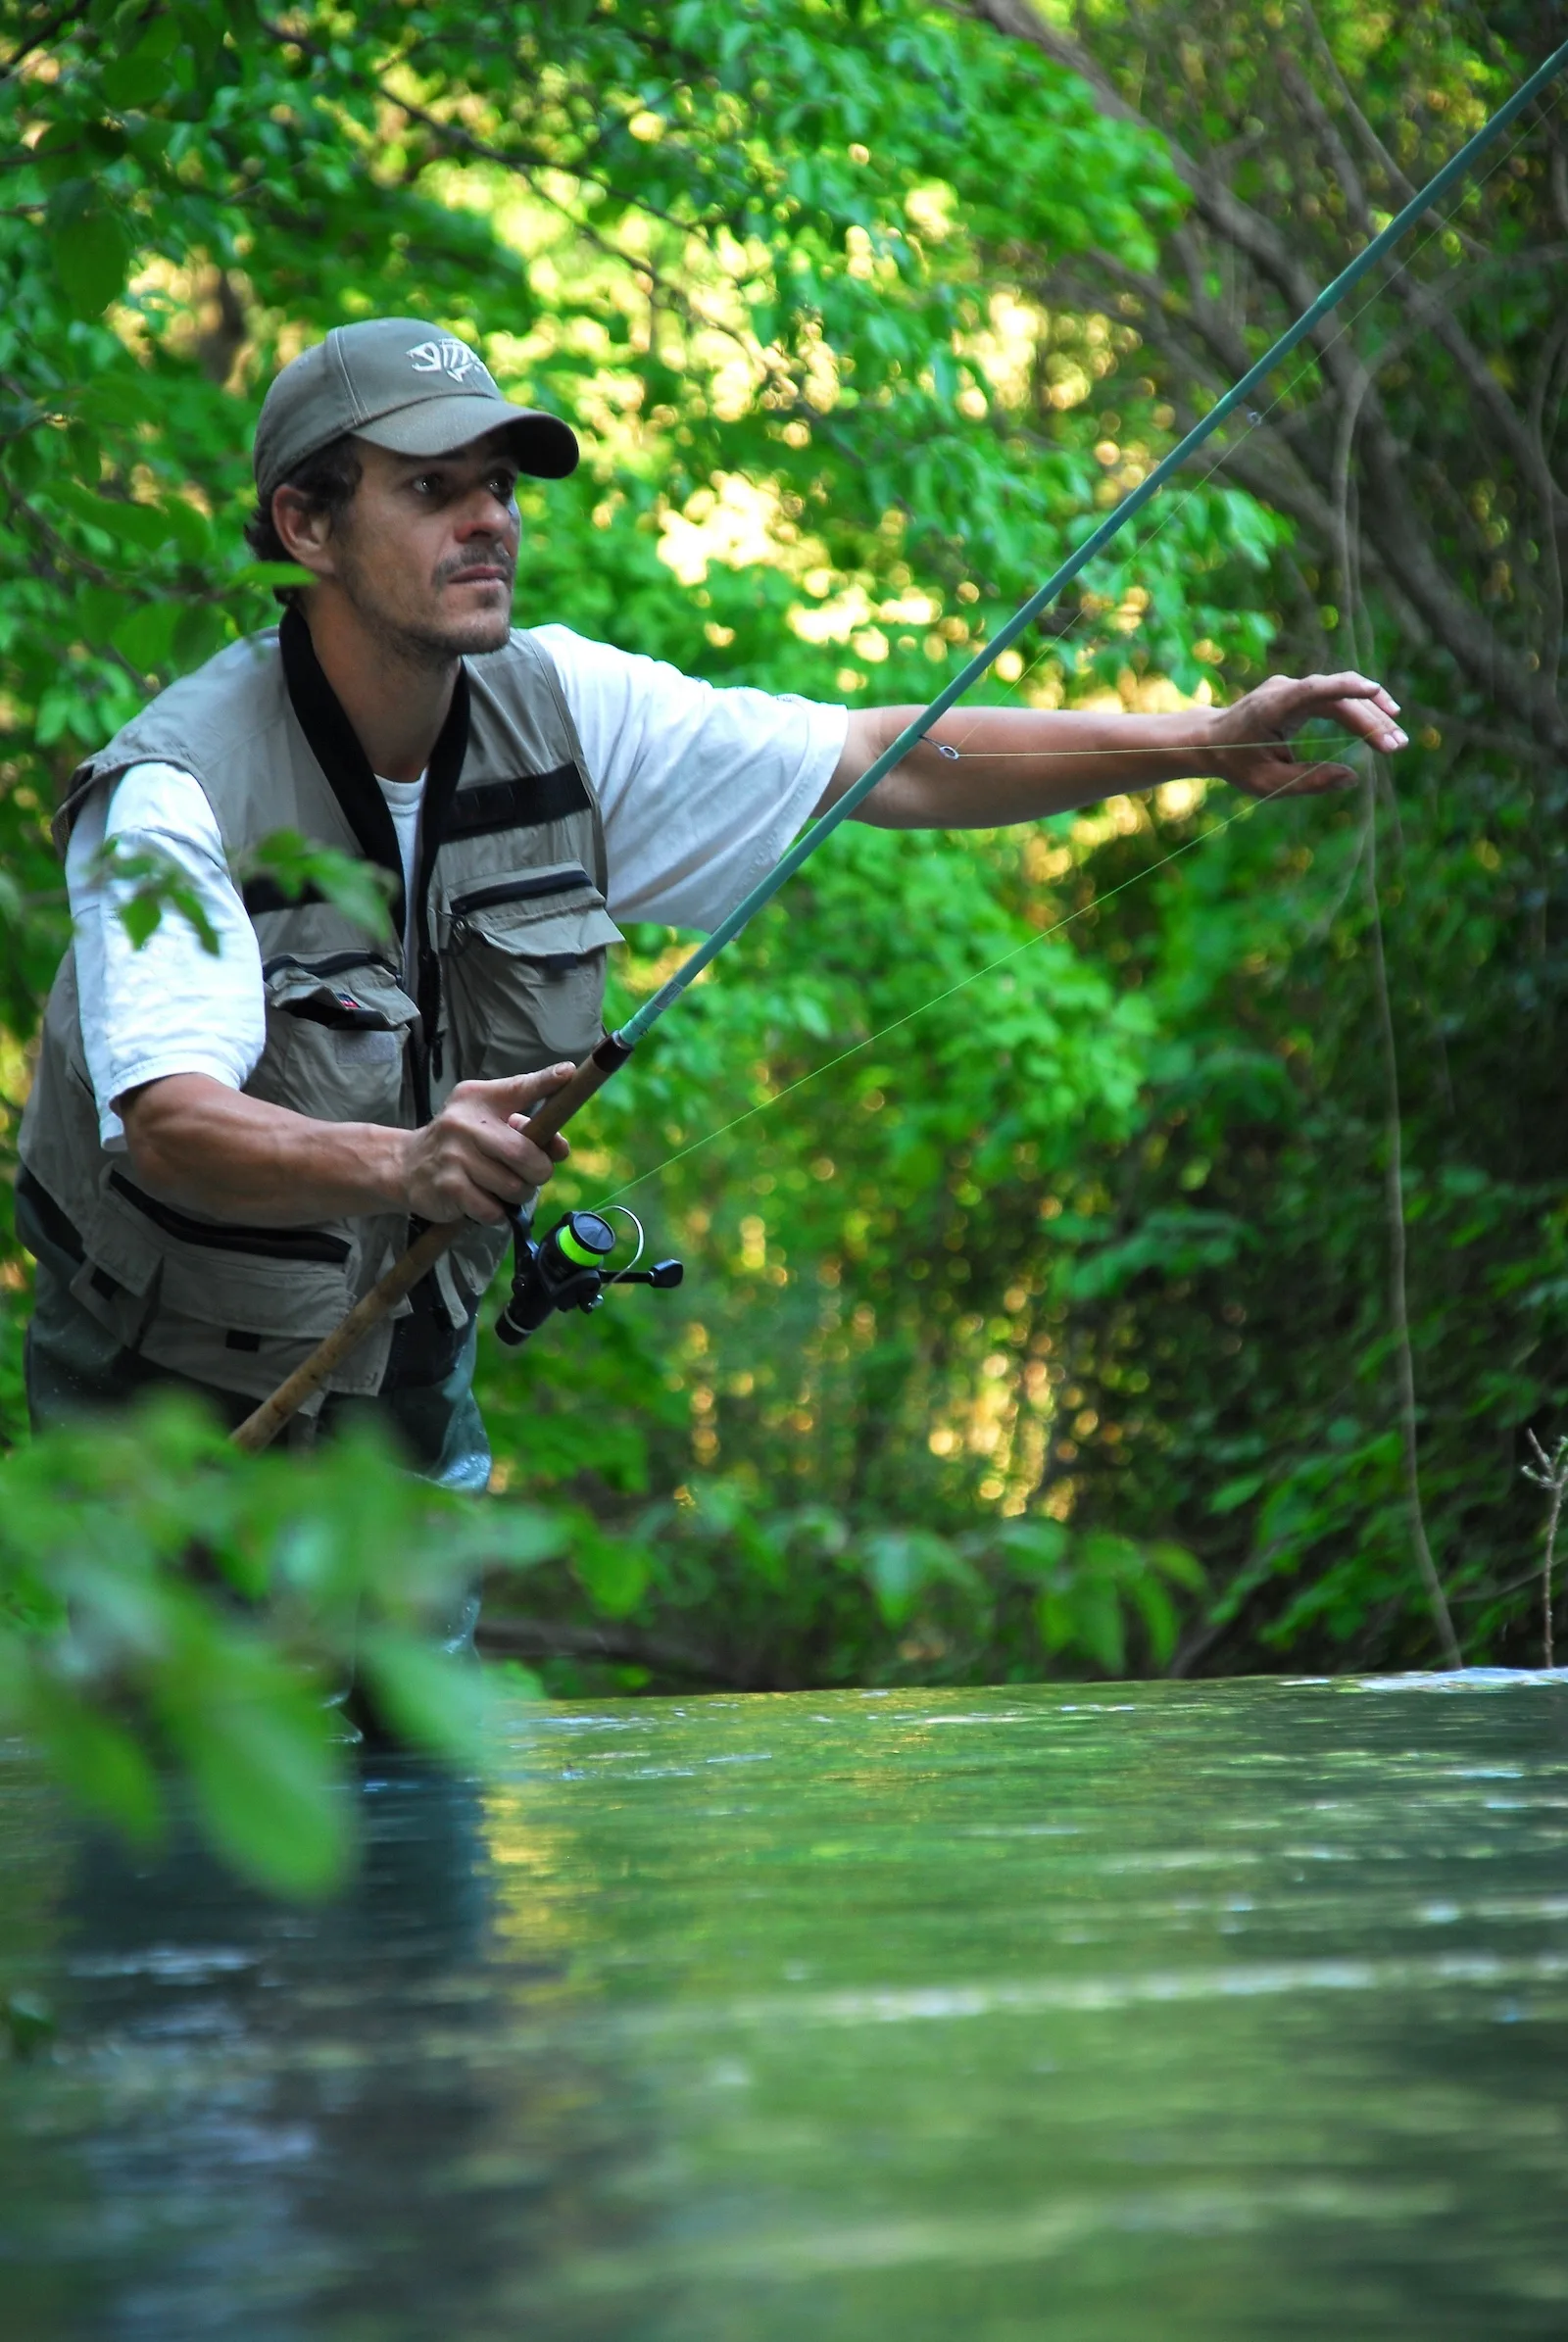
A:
(145, 526)
(360, 890)
(431, 1700)
(613, 1572)
(1035, 1546)
(188, 528)
(62, 156)
(1097, 1626)
(901, 1562)
(144, 75)
(91, 254)
(146, 636)
(193, 910)
(141, 917)
(1232, 1494)
(1158, 1614)
(266, 1784)
(100, 1760)
(1179, 1566)
(1054, 1618)
(267, 573)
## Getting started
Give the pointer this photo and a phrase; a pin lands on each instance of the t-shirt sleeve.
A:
(171, 1007)
(702, 788)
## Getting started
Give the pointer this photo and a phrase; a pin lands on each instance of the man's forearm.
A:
(199, 1145)
(1019, 763)
(213, 1149)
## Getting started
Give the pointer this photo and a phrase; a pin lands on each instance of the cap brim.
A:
(544, 446)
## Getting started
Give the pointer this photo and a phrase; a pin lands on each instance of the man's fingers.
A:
(479, 1205)
(1370, 722)
(558, 1147)
(524, 1090)
(1357, 702)
(512, 1153)
(456, 1196)
(1348, 686)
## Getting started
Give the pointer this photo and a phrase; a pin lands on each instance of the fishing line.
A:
(766, 1105)
(617, 1046)
(983, 658)
(1256, 418)
(1056, 756)
(957, 752)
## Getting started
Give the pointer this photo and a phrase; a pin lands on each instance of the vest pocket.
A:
(337, 1032)
(525, 970)
(273, 1281)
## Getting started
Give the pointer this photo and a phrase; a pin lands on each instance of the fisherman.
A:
(222, 1153)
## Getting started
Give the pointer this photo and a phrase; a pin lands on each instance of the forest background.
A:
(1178, 1295)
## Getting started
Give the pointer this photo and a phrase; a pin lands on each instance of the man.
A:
(221, 1156)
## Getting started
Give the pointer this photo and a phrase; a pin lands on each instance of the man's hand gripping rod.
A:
(259, 1429)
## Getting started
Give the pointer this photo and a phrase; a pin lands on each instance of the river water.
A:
(1147, 2014)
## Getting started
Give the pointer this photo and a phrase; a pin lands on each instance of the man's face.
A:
(426, 552)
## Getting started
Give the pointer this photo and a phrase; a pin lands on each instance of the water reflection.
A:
(269, 2122)
(1178, 2011)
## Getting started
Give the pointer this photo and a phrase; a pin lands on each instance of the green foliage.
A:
(749, 1594)
(169, 1599)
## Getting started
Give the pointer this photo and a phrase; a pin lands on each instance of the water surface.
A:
(1161, 2013)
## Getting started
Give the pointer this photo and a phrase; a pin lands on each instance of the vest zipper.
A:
(521, 890)
(331, 963)
(270, 1243)
(425, 1040)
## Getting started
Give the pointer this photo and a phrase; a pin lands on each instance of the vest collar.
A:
(335, 746)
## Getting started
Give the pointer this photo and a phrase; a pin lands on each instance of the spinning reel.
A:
(567, 1270)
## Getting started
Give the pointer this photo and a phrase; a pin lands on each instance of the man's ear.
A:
(305, 529)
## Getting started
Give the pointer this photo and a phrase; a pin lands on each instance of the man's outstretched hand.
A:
(1253, 739)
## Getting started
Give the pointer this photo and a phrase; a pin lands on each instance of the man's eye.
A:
(503, 487)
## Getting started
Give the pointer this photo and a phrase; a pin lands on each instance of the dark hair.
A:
(326, 480)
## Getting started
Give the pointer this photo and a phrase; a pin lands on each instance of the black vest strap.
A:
(335, 746)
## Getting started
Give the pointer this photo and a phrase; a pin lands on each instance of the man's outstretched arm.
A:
(1020, 764)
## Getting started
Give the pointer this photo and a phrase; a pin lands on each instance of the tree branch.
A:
(509, 1637)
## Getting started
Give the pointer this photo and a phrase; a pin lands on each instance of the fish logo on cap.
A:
(446, 357)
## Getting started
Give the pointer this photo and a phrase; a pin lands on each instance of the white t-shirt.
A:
(701, 790)
(405, 802)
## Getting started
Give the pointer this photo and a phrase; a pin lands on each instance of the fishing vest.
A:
(508, 976)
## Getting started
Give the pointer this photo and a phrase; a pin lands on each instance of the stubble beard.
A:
(412, 639)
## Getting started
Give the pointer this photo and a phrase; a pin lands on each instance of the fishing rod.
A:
(567, 1268)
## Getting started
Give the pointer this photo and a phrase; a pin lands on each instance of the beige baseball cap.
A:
(401, 385)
